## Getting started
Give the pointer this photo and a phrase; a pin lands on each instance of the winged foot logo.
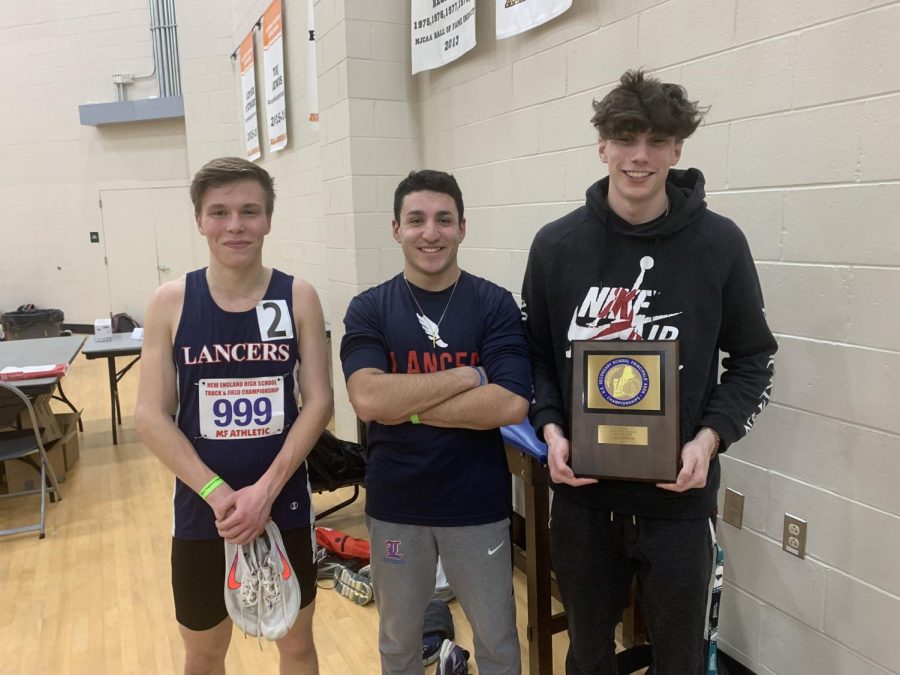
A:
(431, 330)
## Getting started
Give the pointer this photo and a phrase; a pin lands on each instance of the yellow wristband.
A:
(414, 419)
(207, 489)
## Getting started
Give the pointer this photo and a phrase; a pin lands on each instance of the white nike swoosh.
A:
(492, 551)
(577, 332)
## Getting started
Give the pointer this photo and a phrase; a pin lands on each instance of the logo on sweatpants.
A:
(392, 551)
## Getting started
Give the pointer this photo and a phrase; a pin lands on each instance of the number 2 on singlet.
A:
(274, 320)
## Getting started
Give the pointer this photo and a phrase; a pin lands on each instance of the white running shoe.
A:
(279, 601)
(357, 586)
(452, 660)
(242, 587)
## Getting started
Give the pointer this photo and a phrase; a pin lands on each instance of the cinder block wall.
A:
(370, 139)
(335, 183)
(800, 148)
(210, 32)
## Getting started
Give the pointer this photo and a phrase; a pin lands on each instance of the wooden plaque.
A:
(624, 421)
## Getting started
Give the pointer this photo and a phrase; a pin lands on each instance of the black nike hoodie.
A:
(695, 281)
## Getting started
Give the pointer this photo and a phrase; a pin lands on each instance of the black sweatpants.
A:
(595, 558)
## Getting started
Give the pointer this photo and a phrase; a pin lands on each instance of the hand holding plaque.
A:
(625, 410)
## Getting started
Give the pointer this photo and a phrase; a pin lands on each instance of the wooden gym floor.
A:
(94, 596)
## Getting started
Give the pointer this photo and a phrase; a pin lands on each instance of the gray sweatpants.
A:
(476, 560)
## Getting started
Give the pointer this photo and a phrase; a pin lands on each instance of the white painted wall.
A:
(56, 55)
(800, 148)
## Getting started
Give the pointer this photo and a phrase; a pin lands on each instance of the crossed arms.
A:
(450, 398)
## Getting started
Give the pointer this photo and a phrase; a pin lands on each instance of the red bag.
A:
(342, 545)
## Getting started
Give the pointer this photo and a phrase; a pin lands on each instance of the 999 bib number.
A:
(242, 412)
(241, 408)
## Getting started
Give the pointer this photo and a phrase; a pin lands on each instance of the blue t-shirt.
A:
(424, 475)
(237, 398)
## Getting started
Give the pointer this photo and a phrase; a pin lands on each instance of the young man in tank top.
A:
(227, 350)
(436, 360)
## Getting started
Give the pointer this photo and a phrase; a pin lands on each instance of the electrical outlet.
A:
(734, 508)
(793, 536)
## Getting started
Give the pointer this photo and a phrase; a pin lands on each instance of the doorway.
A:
(150, 237)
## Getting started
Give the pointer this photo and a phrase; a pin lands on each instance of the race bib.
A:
(241, 408)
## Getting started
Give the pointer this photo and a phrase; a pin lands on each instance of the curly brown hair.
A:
(225, 170)
(643, 103)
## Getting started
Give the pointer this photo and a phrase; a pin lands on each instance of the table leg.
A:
(113, 395)
(537, 544)
(535, 562)
(119, 376)
(65, 399)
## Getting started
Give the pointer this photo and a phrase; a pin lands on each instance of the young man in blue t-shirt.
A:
(435, 361)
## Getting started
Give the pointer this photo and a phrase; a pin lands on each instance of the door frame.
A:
(126, 185)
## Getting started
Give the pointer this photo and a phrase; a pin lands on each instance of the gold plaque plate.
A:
(631, 382)
(621, 435)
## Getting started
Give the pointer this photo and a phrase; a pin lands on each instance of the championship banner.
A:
(273, 59)
(442, 31)
(312, 81)
(517, 16)
(248, 96)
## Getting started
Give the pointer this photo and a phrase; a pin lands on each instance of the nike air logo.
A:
(233, 583)
(492, 551)
(286, 574)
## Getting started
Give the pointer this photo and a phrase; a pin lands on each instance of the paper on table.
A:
(11, 373)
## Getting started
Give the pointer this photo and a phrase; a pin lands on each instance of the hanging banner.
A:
(248, 97)
(442, 31)
(517, 16)
(312, 81)
(273, 60)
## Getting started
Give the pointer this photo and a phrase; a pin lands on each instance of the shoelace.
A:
(260, 589)
(271, 587)
(269, 582)
(250, 587)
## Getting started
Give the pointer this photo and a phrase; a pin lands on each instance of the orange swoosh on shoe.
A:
(286, 574)
(233, 583)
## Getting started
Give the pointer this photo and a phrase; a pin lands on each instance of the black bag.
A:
(124, 323)
(30, 322)
(28, 315)
(333, 463)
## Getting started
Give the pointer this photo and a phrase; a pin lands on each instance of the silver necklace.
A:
(433, 333)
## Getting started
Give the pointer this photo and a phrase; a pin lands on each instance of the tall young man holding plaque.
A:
(227, 349)
(436, 360)
(642, 260)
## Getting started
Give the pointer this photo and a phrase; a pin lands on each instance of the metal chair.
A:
(25, 445)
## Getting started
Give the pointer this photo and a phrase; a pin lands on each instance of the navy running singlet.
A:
(237, 398)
